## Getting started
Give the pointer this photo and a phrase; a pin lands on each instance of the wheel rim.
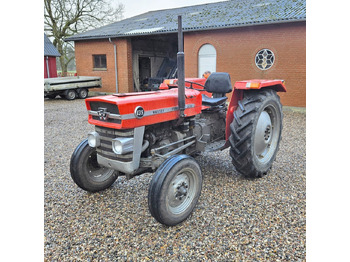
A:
(181, 191)
(83, 93)
(95, 172)
(71, 95)
(267, 134)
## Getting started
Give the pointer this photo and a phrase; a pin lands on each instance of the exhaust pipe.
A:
(181, 68)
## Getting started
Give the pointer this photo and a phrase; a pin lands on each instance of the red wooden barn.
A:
(50, 54)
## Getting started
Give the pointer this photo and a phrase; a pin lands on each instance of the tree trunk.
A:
(62, 58)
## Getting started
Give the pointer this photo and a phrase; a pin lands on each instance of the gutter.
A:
(115, 65)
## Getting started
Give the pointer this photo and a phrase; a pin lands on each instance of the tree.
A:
(64, 18)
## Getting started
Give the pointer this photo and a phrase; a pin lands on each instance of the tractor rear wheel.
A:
(256, 132)
(175, 189)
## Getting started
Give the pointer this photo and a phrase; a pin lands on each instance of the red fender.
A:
(237, 95)
(276, 84)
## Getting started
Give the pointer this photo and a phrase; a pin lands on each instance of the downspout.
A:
(47, 67)
(115, 65)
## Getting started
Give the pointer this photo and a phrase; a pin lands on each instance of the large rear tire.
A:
(256, 132)
(175, 189)
(86, 172)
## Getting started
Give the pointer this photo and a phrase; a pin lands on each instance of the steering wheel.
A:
(194, 83)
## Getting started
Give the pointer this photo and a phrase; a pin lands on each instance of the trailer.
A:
(70, 87)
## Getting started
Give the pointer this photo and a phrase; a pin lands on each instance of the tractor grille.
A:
(106, 136)
(110, 108)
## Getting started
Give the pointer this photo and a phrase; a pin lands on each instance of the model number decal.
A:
(139, 112)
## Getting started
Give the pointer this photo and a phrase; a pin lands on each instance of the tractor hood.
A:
(130, 110)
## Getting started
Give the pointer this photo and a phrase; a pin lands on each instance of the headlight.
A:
(94, 139)
(122, 145)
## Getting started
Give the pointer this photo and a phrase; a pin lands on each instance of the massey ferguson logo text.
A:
(139, 112)
(102, 113)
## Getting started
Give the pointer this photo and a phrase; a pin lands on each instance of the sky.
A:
(136, 7)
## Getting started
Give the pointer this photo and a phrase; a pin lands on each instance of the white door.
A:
(206, 59)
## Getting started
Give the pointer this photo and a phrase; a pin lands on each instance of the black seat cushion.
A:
(218, 82)
(208, 101)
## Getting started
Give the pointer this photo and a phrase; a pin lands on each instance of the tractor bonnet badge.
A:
(139, 112)
(102, 113)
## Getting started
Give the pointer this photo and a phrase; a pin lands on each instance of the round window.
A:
(264, 59)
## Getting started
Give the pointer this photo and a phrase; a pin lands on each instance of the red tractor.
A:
(161, 131)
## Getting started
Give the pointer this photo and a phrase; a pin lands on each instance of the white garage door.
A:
(206, 59)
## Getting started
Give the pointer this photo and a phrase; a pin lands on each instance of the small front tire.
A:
(86, 172)
(175, 189)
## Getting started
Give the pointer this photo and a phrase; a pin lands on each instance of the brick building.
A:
(246, 38)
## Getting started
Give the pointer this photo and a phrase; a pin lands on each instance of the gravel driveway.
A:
(236, 219)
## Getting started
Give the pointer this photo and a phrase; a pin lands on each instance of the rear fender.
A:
(242, 86)
(277, 84)
(237, 95)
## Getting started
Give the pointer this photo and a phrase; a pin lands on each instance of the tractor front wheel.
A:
(86, 172)
(256, 132)
(175, 189)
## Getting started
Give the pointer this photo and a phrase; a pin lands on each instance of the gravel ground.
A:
(236, 219)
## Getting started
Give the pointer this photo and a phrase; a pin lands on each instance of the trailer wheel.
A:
(51, 96)
(70, 94)
(175, 189)
(83, 93)
(86, 172)
(256, 132)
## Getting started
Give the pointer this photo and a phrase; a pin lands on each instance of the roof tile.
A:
(49, 48)
(226, 14)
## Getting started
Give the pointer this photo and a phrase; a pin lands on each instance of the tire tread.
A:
(241, 131)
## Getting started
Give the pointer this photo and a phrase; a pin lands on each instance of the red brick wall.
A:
(236, 50)
(124, 58)
(84, 63)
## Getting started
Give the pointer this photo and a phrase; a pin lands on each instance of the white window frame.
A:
(206, 54)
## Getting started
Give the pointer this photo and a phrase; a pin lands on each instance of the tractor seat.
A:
(208, 101)
(219, 84)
